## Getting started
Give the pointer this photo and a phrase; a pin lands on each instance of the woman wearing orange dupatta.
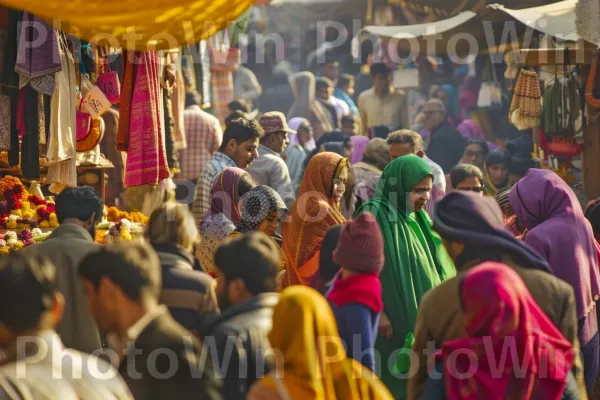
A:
(315, 210)
(313, 363)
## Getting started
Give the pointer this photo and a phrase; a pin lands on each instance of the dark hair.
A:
(80, 202)
(193, 98)
(348, 119)
(496, 157)
(381, 131)
(592, 213)
(328, 268)
(253, 258)
(406, 136)
(464, 171)
(379, 69)
(233, 116)
(239, 105)
(323, 83)
(520, 164)
(344, 80)
(133, 266)
(245, 184)
(479, 142)
(27, 289)
(241, 130)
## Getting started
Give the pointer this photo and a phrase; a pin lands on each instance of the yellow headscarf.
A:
(315, 364)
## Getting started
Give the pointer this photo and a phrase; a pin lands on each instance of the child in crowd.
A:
(356, 293)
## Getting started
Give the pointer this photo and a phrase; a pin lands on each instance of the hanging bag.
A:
(94, 101)
(491, 94)
(83, 123)
(109, 83)
(88, 131)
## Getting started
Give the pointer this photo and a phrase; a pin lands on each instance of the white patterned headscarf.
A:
(257, 204)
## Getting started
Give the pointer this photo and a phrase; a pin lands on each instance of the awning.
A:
(495, 27)
(137, 24)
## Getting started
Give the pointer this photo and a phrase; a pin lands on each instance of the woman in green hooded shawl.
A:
(415, 259)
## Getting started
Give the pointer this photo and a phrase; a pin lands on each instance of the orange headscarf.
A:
(311, 216)
(315, 363)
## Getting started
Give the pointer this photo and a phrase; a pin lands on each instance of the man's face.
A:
(473, 155)
(279, 141)
(98, 305)
(420, 195)
(382, 82)
(332, 71)
(324, 93)
(434, 116)
(471, 184)
(245, 152)
(400, 149)
(221, 289)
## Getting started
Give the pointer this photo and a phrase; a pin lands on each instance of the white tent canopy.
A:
(494, 27)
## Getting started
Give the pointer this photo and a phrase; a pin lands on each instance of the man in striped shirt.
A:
(239, 149)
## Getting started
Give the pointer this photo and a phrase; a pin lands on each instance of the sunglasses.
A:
(476, 189)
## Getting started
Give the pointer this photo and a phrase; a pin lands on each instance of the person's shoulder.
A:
(542, 278)
(441, 293)
(186, 279)
(367, 94)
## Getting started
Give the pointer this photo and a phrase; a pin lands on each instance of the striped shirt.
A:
(204, 136)
(201, 202)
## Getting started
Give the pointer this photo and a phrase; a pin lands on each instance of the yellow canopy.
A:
(136, 24)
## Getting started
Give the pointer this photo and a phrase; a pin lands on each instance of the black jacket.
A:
(166, 362)
(446, 146)
(240, 335)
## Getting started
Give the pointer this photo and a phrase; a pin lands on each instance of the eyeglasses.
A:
(476, 189)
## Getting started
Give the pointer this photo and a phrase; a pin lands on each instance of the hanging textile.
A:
(30, 152)
(168, 82)
(526, 107)
(36, 64)
(62, 171)
(9, 80)
(146, 158)
(178, 105)
(160, 24)
(4, 101)
(127, 82)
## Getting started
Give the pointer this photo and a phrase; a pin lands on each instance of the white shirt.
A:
(53, 372)
(438, 173)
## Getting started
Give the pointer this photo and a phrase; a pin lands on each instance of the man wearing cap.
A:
(269, 169)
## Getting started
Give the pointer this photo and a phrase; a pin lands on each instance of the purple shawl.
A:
(37, 64)
(359, 144)
(558, 230)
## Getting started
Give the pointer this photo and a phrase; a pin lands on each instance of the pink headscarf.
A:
(224, 194)
(359, 144)
(469, 129)
(498, 311)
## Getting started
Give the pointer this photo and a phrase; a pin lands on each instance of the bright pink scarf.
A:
(146, 157)
(363, 288)
(497, 308)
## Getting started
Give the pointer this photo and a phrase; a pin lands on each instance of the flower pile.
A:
(20, 210)
(116, 215)
(117, 231)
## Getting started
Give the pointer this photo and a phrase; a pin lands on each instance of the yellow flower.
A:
(25, 205)
(28, 214)
(43, 224)
(4, 251)
(18, 213)
(52, 217)
(11, 224)
(18, 245)
(53, 224)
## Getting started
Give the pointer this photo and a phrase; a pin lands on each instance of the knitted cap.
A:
(360, 247)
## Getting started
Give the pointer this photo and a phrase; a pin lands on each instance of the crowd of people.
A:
(341, 251)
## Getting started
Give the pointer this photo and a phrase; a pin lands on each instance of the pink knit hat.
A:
(360, 246)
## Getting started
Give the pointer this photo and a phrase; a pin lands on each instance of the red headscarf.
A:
(498, 308)
(224, 194)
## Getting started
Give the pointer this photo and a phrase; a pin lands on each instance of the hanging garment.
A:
(37, 62)
(178, 106)
(127, 84)
(9, 80)
(4, 100)
(30, 152)
(62, 138)
(146, 158)
(168, 82)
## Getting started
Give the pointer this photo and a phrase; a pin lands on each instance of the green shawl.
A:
(415, 259)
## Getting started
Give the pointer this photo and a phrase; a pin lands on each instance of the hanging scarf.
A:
(498, 306)
(127, 87)
(362, 288)
(146, 158)
(303, 318)
(311, 216)
(36, 64)
(415, 259)
(257, 204)
(558, 230)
